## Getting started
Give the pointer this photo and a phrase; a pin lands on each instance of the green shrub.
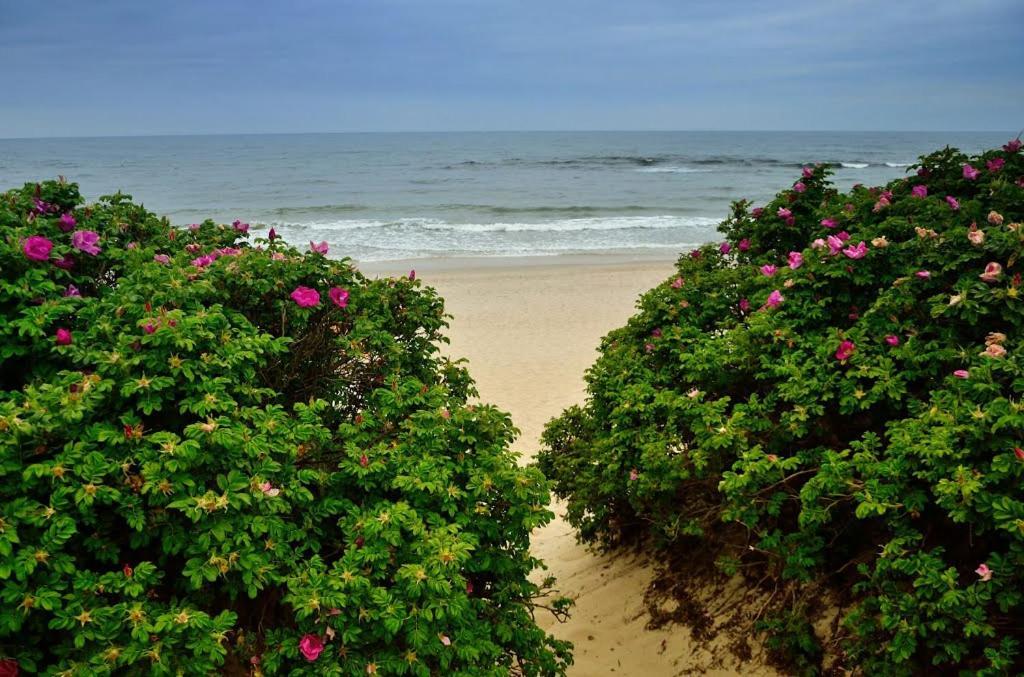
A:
(224, 457)
(835, 390)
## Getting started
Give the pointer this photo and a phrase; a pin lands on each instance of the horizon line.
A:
(514, 131)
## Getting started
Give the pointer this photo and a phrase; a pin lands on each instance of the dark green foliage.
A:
(833, 431)
(210, 476)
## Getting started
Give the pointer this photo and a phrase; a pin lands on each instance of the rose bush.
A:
(833, 399)
(225, 456)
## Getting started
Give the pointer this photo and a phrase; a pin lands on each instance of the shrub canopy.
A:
(220, 456)
(833, 396)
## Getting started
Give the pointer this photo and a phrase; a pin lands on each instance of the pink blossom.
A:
(829, 223)
(818, 244)
(67, 222)
(228, 251)
(768, 270)
(85, 240)
(919, 191)
(744, 244)
(412, 274)
(843, 235)
(65, 263)
(856, 252)
(149, 328)
(162, 258)
(634, 475)
(725, 248)
(306, 297)
(952, 202)
(835, 245)
(37, 248)
(807, 172)
(192, 248)
(272, 235)
(648, 347)
(311, 647)
(784, 213)
(995, 164)
(677, 283)
(194, 226)
(269, 489)
(976, 236)
(72, 290)
(791, 221)
(882, 203)
(756, 212)
(1019, 453)
(203, 261)
(1012, 146)
(961, 373)
(240, 227)
(892, 340)
(63, 337)
(923, 274)
(845, 350)
(799, 187)
(994, 350)
(338, 296)
(744, 305)
(995, 218)
(796, 259)
(320, 248)
(278, 256)
(993, 271)
(970, 173)
(774, 299)
(984, 573)
(445, 639)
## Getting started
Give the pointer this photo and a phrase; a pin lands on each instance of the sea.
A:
(392, 196)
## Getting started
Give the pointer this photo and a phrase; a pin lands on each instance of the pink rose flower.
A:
(37, 248)
(796, 259)
(995, 165)
(412, 274)
(278, 256)
(203, 261)
(775, 299)
(952, 202)
(919, 191)
(984, 573)
(744, 305)
(784, 213)
(768, 270)
(65, 263)
(162, 258)
(72, 290)
(835, 245)
(67, 222)
(270, 490)
(923, 274)
(311, 647)
(961, 373)
(149, 328)
(993, 271)
(677, 283)
(634, 475)
(976, 236)
(829, 223)
(85, 240)
(995, 218)
(845, 350)
(744, 244)
(725, 248)
(338, 296)
(843, 235)
(1013, 146)
(240, 227)
(892, 340)
(756, 212)
(819, 243)
(799, 187)
(192, 248)
(445, 639)
(970, 173)
(63, 337)
(807, 172)
(856, 252)
(320, 248)
(306, 297)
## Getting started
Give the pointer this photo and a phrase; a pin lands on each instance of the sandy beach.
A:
(530, 328)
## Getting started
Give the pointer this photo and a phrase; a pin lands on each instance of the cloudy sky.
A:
(114, 67)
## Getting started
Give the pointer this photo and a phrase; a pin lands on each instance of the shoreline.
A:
(450, 264)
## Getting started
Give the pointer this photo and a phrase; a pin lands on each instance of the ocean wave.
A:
(672, 170)
(854, 165)
(898, 164)
(557, 225)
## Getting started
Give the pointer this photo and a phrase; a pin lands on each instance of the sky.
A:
(125, 67)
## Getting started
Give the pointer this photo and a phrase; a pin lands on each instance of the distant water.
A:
(389, 196)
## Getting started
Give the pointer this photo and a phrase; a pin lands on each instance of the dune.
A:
(529, 331)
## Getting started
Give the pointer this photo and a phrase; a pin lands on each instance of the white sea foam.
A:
(853, 165)
(557, 225)
(898, 164)
(672, 170)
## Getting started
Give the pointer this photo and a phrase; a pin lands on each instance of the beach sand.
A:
(530, 329)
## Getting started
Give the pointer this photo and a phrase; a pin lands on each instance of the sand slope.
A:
(530, 332)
